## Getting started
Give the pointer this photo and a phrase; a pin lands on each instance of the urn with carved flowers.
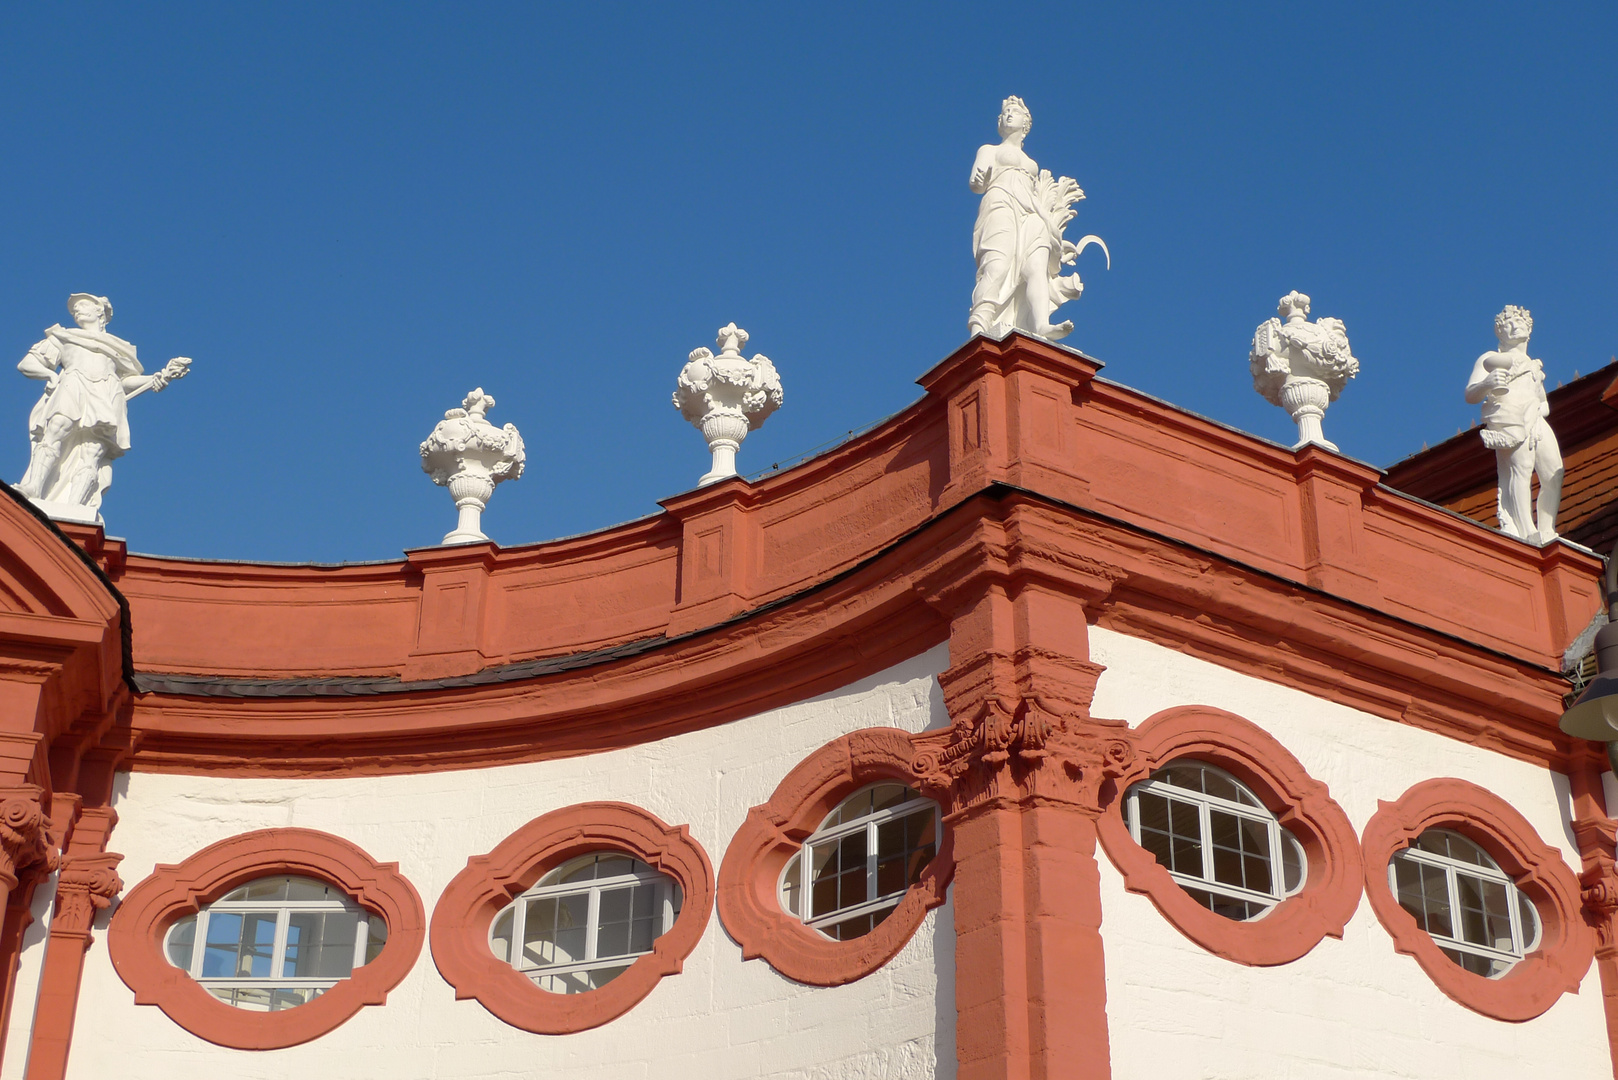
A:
(1302, 366)
(726, 396)
(469, 455)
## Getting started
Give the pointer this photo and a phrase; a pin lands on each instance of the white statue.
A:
(81, 421)
(1302, 366)
(1018, 240)
(1511, 386)
(726, 396)
(469, 455)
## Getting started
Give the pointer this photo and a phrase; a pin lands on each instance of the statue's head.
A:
(90, 312)
(1513, 324)
(1014, 116)
(1292, 303)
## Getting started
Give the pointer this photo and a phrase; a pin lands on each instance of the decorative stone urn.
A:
(1302, 366)
(726, 396)
(469, 455)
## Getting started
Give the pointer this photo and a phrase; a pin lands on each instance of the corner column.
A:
(1597, 837)
(1024, 763)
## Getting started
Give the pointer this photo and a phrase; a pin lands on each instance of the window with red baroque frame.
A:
(1330, 889)
(465, 914)
(135, 937)
(1566, 944)
(750, 877)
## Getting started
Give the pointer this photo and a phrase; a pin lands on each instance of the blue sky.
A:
(349, 216)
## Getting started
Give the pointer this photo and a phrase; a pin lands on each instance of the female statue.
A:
(1018, 237)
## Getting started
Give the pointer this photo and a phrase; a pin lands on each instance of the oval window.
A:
(582, 925)
(275, 943)
(856, 867)
(1217, 841)
(1469, 906)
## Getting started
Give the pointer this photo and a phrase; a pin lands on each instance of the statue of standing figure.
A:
(81, 422)
(1510, 384)
(1018, 240)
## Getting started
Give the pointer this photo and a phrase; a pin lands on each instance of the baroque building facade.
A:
(1045, 730)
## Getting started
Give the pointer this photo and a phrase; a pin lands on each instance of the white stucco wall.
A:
(719, 1018)
(1351, 1008)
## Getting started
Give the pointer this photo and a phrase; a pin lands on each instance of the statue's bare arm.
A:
(982, 169)
(1482, 380)
(41, 360)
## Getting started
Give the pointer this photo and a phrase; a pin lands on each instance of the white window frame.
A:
(824, 836)
(1522, 944)
(664, 886)
(283, 911)
(1204, 804)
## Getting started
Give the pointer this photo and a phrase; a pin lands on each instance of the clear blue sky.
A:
(349, 216)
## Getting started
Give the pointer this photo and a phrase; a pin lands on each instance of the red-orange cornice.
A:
(1292, 565)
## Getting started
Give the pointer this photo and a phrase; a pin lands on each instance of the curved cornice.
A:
(1294, 565)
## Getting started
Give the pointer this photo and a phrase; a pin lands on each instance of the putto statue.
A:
(1302, 366)
(1511, 386)
(726, 396)
(81, 422)
(1018, 240)
(469, 455)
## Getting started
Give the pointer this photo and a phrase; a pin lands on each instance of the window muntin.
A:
(584, 923)
(1469, 906)
(857, 866)
(1217, 841)
(275, 943)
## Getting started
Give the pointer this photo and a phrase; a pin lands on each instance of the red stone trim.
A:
(750, 875)
(463, 915)
(1566, 944)
(135, 936)
(1301, 803)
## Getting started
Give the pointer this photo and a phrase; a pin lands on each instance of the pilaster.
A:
(1010, 406)
(718, 554)
(1024, 764)
(1331, 497)
(455, 592)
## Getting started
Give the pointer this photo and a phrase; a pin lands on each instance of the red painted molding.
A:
(1567, 944)
(135, 936)
(463, 915)
(749, 876)
(1301, 803)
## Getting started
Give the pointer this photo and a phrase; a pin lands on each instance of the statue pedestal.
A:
(61, 511)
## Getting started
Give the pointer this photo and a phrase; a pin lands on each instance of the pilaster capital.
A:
(1597, 838)
(86, 885)
(25, 840)
(1022, 733)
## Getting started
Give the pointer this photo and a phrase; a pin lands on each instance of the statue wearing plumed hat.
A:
(81, 422)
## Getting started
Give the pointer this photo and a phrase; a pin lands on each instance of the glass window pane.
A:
(262, 889)
(500, 934)
(182, 942)
(320, 944)
(884, 796)
(616, 866)
(1291, 862)
(1220, 786)
(554, 929)
(378, 938)
(792, 886)
(307, 889)
(1529, 920)
(1470, 893)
